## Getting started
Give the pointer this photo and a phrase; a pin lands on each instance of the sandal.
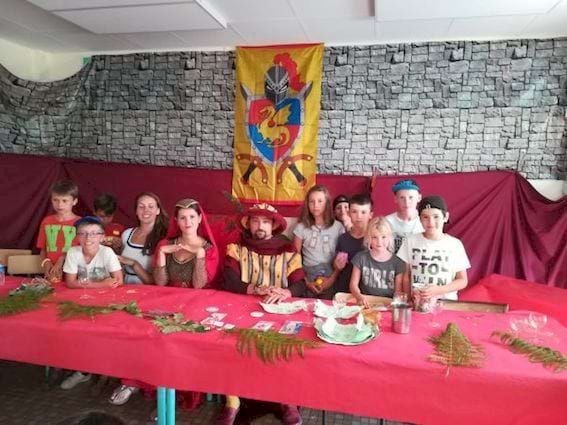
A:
(122, 394)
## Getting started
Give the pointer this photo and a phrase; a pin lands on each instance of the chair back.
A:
(5, 253)
(24, 264)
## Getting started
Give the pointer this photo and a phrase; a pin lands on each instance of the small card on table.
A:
(291, 327)
(263, 326)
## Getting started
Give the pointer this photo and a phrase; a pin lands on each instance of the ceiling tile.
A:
(489, 27)
(552, 24)
(153, 40)
(333, 8)
(340, 30)
(90, 4)
(211, 38)
(170, 17)
(415, 30)
(271, 31)
(388, 10)
(252, 10)
(34, 18)
(95, 43)
(34, 40)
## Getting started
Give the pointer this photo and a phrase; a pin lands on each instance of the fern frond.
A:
(70, 309)
(548, 357)
(270, 346)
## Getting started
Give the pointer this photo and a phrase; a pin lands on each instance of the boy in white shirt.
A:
(405, 221)
(91, 265)
(436, 263)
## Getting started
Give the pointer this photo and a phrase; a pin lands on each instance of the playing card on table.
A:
(291, 327)
(263, 326)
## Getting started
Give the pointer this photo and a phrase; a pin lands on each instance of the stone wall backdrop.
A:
(407, 108)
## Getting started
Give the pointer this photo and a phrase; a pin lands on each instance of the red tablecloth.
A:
(388, 377)
(520, 295)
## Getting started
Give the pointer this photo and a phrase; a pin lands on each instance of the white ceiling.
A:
(104, 26)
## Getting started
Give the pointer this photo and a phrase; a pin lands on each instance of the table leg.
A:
(323, 417)
(170, 401)
(161, 406)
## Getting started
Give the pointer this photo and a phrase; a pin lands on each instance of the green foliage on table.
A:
(177, 323)
(26, 297)
(536, 353)
(70, 309)
(270, 345)
(453, 348)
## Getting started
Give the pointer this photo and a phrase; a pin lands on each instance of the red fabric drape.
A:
(505, 225)
(520, 295)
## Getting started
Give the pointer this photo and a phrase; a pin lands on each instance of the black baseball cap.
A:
(432, 201)
(339, 200)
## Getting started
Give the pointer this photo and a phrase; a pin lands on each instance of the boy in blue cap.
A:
(90, 265)
(405, 221)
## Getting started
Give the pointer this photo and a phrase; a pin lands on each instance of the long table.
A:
(389, 377)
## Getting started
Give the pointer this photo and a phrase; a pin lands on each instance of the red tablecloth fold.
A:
(520, 295)
(389, 377)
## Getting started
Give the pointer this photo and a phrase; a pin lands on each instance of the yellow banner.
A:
(277, 105)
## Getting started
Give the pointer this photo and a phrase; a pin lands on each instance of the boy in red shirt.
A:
(104, 209)
(57, 231)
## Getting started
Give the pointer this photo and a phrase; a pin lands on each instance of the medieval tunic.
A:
(271, 262)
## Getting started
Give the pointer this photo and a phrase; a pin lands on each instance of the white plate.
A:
(344, 330)
(342, 312)
(325, 338)
(285, 308)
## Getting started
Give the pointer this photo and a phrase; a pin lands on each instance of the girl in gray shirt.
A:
(376, 270)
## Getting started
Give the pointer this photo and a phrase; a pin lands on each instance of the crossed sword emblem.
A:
(288, 163)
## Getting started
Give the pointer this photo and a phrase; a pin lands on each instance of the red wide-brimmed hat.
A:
(264, 210)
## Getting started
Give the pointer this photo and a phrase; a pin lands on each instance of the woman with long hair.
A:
(139, 243)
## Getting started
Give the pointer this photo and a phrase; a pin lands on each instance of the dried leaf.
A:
(453, 348)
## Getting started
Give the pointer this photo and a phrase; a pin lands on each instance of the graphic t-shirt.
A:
(434, 262)
(377, 277)
(103, 263)
(318, 243)
(402, 229)
(56, 237)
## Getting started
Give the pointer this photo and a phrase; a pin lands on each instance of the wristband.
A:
(44, 261)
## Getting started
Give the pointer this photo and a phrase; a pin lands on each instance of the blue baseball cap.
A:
(405, 185)
(89, 219)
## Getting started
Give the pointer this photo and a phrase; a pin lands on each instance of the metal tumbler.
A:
(401, 318)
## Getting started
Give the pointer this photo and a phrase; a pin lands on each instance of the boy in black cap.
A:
(341, 211)
(436, 263)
